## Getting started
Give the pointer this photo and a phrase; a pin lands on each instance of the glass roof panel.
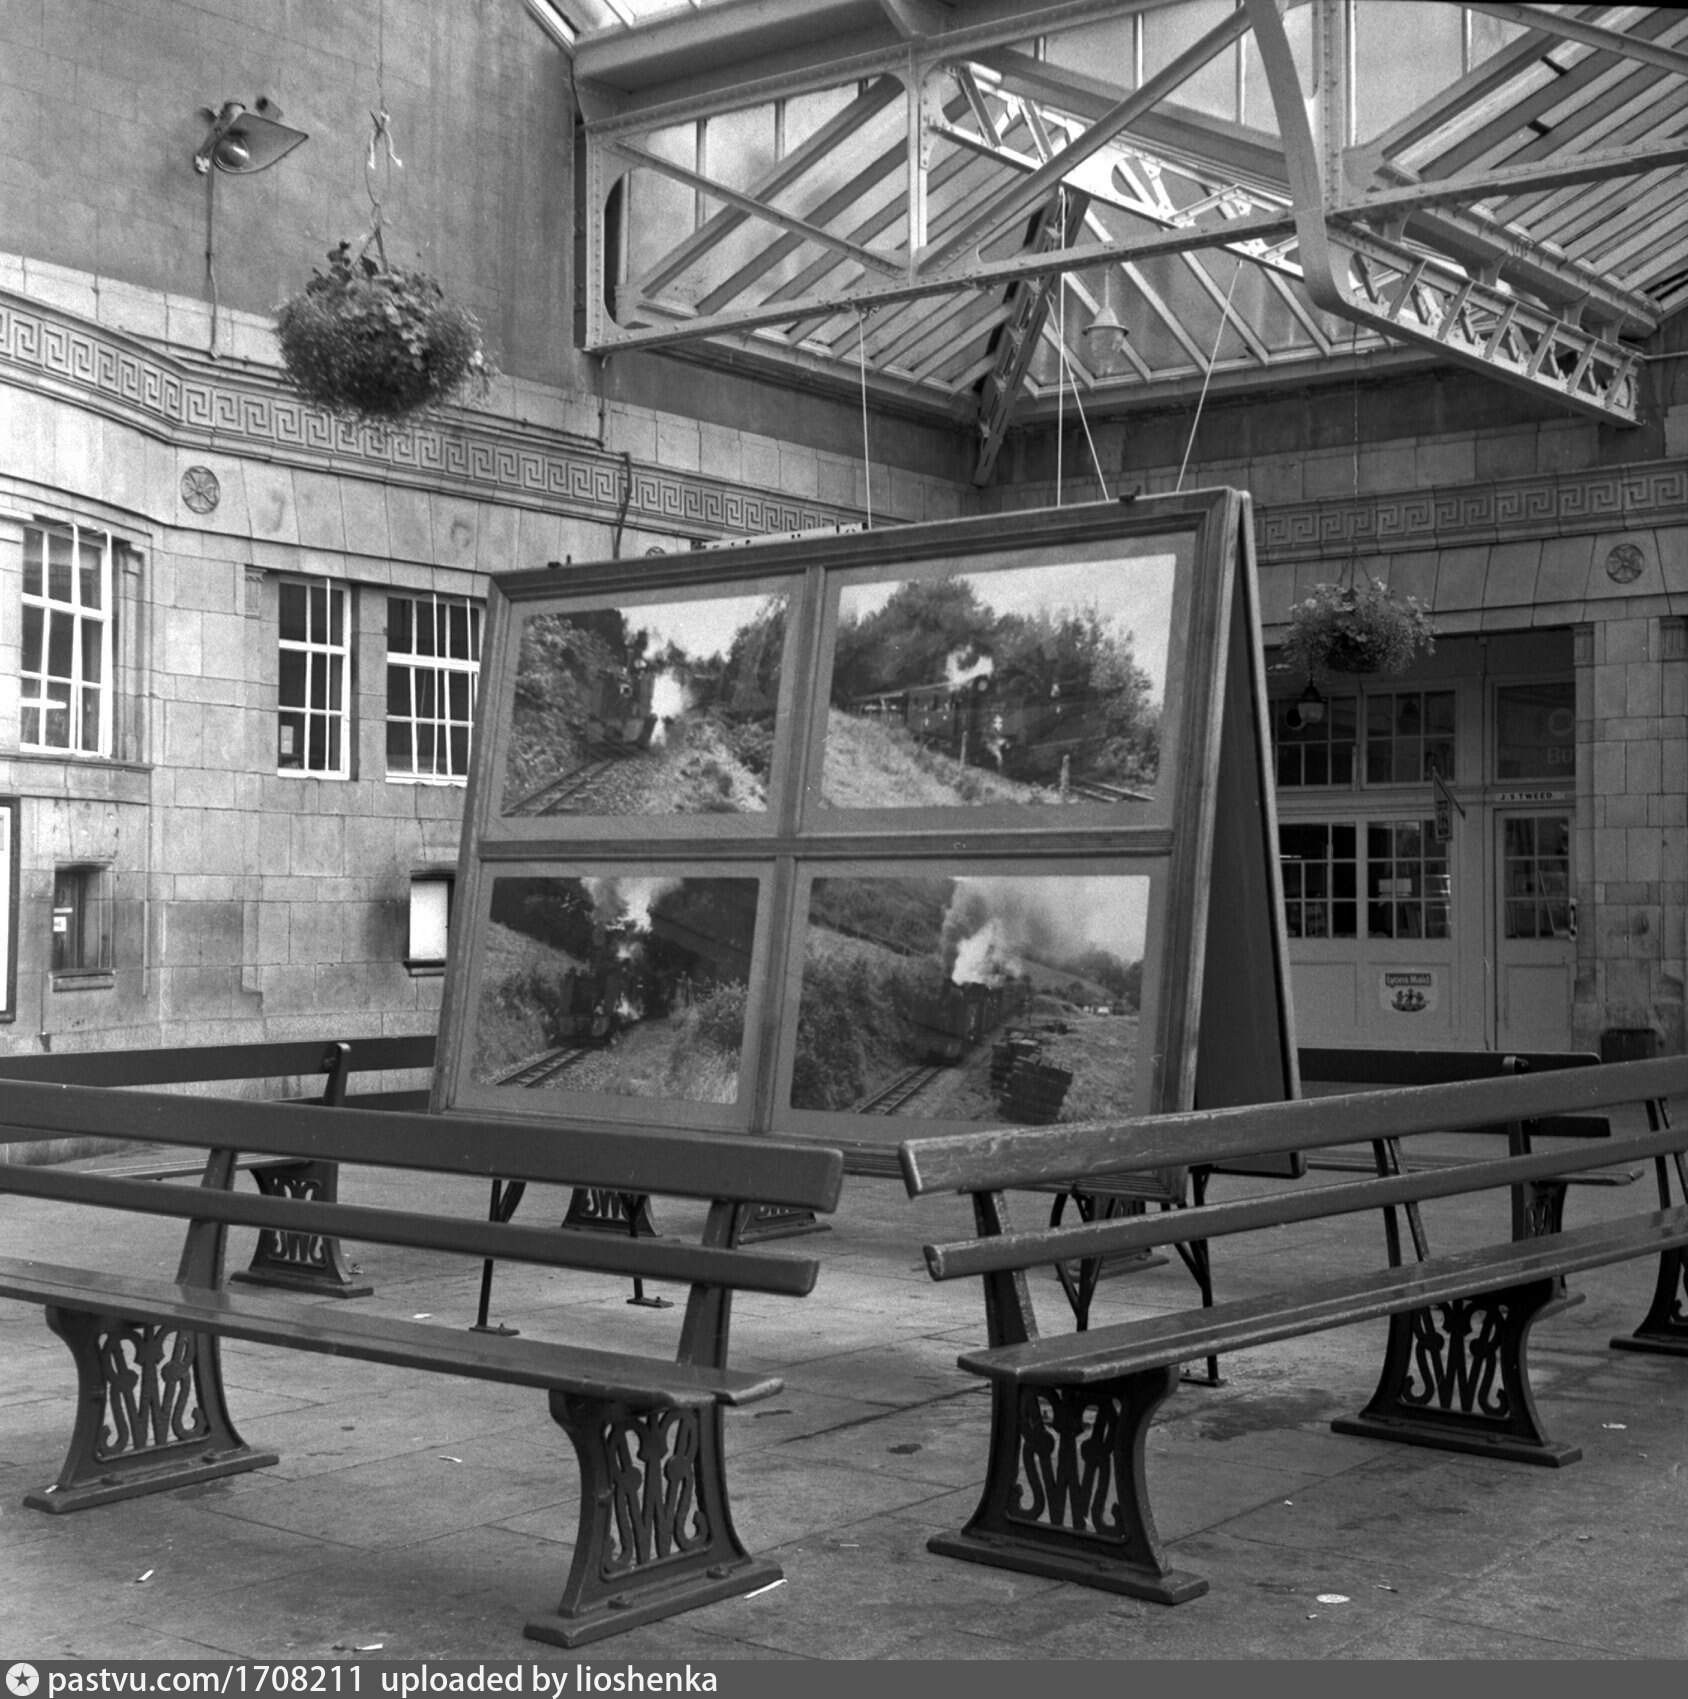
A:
(1549, 232)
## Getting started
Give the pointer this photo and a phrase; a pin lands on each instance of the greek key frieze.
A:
(131, 381)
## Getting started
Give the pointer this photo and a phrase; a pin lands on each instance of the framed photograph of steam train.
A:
(631, 713)
(989, 991)
(622, 986)
(870, 833)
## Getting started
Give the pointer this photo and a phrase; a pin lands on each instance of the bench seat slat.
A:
(1123, 1234)
(203, 1063)
(751, 1169)
(999, 1158)
(560, 1247)
(335, 1330)
(1085, 1359)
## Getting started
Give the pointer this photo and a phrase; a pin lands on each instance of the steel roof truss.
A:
(1407, 295)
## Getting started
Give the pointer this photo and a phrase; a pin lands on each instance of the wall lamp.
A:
(242, 142)
(1309, 709)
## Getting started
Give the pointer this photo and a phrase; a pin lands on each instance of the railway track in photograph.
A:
(908, 1085)
(1093, 790)
(567, 789)
(536, 1070)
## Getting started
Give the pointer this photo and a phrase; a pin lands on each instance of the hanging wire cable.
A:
(1195, 423)
(867, 462)
(1078, 402)
(1060, 386)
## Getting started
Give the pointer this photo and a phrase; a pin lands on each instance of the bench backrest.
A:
(733, 1172)
(1347, 1066)
(998, 1158)
(336, 1059)
(990, 1162)
(603, 1155)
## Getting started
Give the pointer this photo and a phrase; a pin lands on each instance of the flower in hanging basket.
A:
(1356, 628)
(379, 342)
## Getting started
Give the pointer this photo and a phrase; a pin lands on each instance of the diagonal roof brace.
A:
(1400, 293)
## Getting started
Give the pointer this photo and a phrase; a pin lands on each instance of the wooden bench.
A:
(295, 1262)
(655, 1532)
(1065, 1492)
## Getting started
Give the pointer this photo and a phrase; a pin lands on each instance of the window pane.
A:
(292, 613)
(61, 632)
(398, 692)
(32, 618)
(58, 566)
(292, 683)
(398, 747)
(399, 637)
(34, 548)
(91, 552)
(290, 741)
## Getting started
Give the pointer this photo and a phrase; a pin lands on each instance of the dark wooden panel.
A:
(194, 1064)
(338, 1330)
(628, 1159)
(1034, 1248)
(1341, 1066)
(1010, 1156)
(1083, 1359)
(654, 1259)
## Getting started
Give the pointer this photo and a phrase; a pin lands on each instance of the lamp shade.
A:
(242, 142)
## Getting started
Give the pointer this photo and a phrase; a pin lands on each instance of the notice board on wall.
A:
(874, 834)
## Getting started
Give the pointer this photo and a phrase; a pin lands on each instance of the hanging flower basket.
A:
(377, 342)
(1356, 628)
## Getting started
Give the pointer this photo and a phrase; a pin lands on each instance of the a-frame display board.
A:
(874, 834)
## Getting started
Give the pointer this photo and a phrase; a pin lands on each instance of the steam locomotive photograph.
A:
(633, 987)
(665, 708)
(1012, 997)
(1036, 685)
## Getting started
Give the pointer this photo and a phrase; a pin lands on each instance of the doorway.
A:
(1535, 929)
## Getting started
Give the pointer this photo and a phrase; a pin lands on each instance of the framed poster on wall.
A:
(851, 837)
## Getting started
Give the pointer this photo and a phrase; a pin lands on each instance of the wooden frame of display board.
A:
(874, 834)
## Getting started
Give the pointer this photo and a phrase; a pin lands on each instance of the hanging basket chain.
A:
(371, 340)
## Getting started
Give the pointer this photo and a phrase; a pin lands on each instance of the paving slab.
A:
(431, 1517)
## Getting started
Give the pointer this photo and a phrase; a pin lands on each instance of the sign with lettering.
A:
(1410, 991)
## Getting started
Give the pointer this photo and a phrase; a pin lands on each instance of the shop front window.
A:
(1409, 736)
(1314, 752)
(1536, 731)
(1320, 879)
(1407, 883)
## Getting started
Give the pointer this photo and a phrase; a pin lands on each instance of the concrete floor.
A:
(430, 1517)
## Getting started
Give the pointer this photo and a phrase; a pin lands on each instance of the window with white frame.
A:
(66, 684)
(433, 666)
(311, 701)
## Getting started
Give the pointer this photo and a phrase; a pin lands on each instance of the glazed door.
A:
(1536, 927)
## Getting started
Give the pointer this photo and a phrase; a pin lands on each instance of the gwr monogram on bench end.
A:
(1065, 1491)
(150, 1413)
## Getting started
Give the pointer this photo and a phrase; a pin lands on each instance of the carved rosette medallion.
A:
(200, 490)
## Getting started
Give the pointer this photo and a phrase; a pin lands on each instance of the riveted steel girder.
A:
(1418, 296)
